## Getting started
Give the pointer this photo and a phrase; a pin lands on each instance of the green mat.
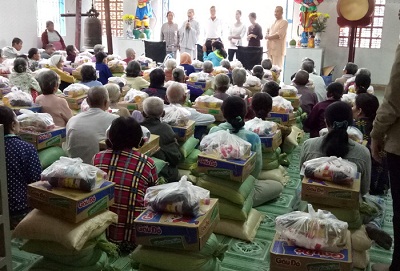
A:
(249, 256)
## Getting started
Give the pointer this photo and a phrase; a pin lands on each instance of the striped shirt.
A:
(132, 173)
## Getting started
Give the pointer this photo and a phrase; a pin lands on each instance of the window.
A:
(50, 10)
(369, 36)
(116, 12)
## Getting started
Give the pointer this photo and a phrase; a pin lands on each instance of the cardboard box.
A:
(149, 148)
(230, 169)
(184, 132)
(295, 101)
(331, 194)
(34, 108)
(75, 103)
(283, 118)
(216, 112)
(204, 85)
(54, 137)
(131, 106)
(285, 256)
(272, 142)
(70, 204)
(176, 231)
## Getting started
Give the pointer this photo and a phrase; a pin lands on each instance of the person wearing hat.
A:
(56, 64)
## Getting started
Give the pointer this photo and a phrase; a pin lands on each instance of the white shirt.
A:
(320, 87)
(237, 31)
(214, 28)
(52, 36)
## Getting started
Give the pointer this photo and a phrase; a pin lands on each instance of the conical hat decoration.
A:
(354, 10)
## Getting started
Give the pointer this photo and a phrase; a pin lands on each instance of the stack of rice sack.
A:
(209, 105)
(227, 163)
(333, 184)
(68, 227)
(316, 239)
(39, 130)
(273, 159)
(189, 153)
(175, 232)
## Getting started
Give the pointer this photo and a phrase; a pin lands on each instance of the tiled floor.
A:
(242, 255)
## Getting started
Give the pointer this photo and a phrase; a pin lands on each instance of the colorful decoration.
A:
(144, 11)
(307, 7)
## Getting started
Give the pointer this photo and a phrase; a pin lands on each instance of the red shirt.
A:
(132, 173)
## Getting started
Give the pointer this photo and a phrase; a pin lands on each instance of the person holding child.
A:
(218, 53)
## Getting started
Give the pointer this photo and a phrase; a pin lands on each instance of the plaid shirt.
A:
(132, 173)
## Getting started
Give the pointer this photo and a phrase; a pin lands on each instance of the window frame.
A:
(116, 12)
(369, 37)
(43, 14)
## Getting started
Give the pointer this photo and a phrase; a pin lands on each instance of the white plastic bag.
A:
(39, 122)
(225, 145)
(261, 127)
(252, 81)
(288, 91)
(331, 169)
(319, 230)
(117, 80)
(176, 115)
(83, 58)
(75, 90)
(179, 197)
(349, 98)
(281, 105)
(236, 91)
(135, 96)
(73, 173)
(353, 132)
(208, 101)
(17, 97)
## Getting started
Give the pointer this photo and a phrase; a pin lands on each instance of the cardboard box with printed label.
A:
(204, 85)
(176, 231)
(231, 169)
(331, 194)
(184, 132)
(216, 112)
(74, 103)
(34, 108)
(70, 204)
(272, 142)
(285, 256)
(149, 148)
(42, 140)
(283, 118)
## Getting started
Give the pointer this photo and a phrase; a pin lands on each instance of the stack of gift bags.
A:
(273, 158)
(316, 239)
(68, 227)
(333, 184)
(226, 163)
(175, 232)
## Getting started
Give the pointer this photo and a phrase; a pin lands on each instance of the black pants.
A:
(394, 174)
(231, 53)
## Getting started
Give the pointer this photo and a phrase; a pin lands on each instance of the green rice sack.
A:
(235, 192)
(188, 146)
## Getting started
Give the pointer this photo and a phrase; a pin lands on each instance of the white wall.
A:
(18, 19)
(379, 61)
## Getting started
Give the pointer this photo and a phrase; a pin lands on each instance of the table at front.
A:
(294, 57)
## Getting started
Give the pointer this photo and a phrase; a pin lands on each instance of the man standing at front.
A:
(214, 26)
(189, 35)
(276, 38)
